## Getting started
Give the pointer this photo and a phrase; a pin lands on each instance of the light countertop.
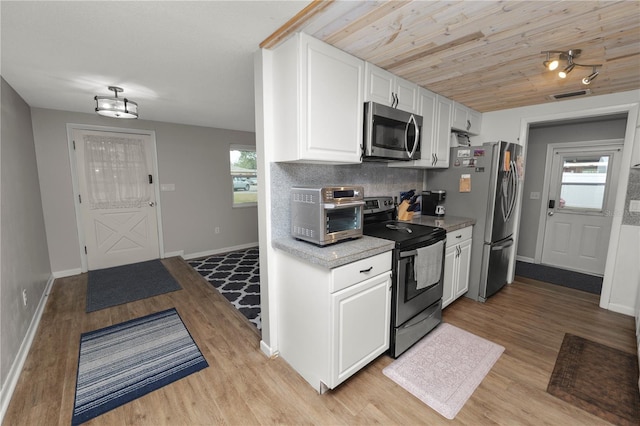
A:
(334, 255)
(449, 223)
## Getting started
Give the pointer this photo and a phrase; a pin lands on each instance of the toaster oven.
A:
(327, 215)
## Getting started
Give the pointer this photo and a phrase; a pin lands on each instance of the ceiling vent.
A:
(561, 96)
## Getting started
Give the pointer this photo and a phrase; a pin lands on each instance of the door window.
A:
(116, 171)
(584, 182)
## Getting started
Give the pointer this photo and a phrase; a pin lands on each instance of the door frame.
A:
(631, 110)
(76, 190)
(542, 220)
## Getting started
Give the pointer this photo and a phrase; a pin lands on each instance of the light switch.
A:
(168, 187)
(534, 196)
(634, 206)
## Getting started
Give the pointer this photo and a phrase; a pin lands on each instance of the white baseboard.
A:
(218, 251)
(21, 357)
(266, 349)
(621, 309)
(525, 259)
(67, 273)
(179, 253)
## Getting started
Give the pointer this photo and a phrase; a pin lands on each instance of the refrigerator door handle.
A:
(502, 245)
(514, 186)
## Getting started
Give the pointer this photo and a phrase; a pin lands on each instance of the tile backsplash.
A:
(633, 193)
(377, 179)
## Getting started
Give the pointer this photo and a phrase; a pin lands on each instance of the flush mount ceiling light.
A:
(116, 107)
(568, 57)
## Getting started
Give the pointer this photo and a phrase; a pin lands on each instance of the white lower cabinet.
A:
(333, 322)
(456, 264)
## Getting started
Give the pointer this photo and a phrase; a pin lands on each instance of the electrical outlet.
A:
(534, 196)
(634, 206)
(217, 230)
(24, 297)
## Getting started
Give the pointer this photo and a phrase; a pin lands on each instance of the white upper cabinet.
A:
(465, 119)
(435, 136)
(318, 102)
(385, 88)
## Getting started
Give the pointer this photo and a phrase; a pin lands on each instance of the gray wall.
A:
(540, 137)
(24, 261)
(194, 159)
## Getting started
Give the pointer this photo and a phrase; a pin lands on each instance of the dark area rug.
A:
(598, 379)
(236, 275)
(123, 284)
(120, 363)
(548, 274)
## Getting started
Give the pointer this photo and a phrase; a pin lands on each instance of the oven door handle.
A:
(408, 253)
(331, 206)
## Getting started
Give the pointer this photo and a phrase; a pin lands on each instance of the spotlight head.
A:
(551, 65)
(566, 71)
(587, 80)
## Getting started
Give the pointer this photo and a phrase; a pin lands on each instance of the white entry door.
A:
(580, 208)
(117, 201)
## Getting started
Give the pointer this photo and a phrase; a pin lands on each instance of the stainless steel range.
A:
(417, 272)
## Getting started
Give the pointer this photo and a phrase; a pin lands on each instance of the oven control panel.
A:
(377, 204)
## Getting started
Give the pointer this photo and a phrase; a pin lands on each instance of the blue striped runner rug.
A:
(120, 363)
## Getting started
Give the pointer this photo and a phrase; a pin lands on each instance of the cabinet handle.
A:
(364, 271)
(468, 125)
(459, 236)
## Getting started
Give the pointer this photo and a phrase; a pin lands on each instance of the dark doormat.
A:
(563, 277)
(123, 284)
(598, 379)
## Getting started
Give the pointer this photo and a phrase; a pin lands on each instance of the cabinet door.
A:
(464, 260)
(407, 94)
(332, 103)
(459, 120)
(360, 326)
(444, 109)
(379, 85)
(475, 118)
(450, 272)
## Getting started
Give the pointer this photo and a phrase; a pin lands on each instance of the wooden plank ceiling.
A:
(483, 54)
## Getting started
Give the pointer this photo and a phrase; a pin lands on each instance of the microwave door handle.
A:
(415, 139)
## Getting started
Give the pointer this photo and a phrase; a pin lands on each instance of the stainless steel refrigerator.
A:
(483, 182)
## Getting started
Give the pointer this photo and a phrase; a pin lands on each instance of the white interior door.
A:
(579, 207)
(117, 201)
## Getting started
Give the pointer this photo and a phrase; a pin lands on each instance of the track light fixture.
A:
(568, 56)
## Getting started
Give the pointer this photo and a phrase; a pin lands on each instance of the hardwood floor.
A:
(242, 386)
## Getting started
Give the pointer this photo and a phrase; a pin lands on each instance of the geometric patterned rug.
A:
(236, 275)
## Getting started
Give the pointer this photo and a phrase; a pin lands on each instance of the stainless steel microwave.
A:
(390, 134)
(327, 215)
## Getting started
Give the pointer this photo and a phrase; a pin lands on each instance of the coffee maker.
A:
(433, 202)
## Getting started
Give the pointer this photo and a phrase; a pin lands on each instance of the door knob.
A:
(151, 203)
(550, 213)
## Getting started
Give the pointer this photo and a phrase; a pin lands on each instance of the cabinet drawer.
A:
(353, 273)
(458, 236)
